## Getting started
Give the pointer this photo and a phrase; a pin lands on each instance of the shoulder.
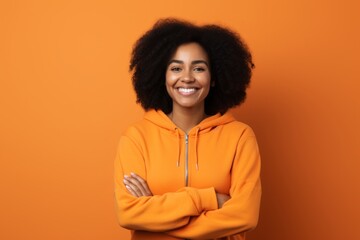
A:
(236, 128)
(134, 136)
(240, 128)
(136, 130)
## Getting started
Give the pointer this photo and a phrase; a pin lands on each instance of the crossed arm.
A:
(200, 216)
(138, 187)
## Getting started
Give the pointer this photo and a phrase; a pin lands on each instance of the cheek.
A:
(207, 84)
(168, 89)
(168, 85)
(169, 78)
(206, 81)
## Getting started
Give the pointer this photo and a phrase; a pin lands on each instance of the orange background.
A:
(66, 96)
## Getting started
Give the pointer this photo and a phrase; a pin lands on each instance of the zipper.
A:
(186, 159)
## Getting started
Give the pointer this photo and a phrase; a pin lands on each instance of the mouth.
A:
(186, 91)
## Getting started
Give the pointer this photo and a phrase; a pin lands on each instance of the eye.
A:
(199, 69)
(175, 69)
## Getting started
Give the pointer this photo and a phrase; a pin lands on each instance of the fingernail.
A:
(133, 174)
(126, 176)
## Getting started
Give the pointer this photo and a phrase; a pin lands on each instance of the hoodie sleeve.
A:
(157, 213)
(240, 213)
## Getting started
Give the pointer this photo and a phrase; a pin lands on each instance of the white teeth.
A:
(187, 90)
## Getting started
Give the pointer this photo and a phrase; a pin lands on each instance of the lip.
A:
(187, 91)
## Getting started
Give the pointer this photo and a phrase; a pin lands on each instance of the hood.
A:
(160, 119)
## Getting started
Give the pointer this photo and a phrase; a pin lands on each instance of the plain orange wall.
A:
(66, 95)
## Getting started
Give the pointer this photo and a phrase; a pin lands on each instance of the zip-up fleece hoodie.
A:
(184, 172)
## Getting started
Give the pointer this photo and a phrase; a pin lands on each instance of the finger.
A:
(143, 183)
(132, 192)
(139, 186)
(133, 189)
(137, 182)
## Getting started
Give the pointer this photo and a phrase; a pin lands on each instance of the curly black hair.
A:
(230, 64)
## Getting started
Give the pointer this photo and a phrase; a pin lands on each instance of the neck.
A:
(186, 119)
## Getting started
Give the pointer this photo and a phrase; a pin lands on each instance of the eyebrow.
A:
(193, 62)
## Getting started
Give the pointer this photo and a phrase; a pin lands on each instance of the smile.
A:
(186, 91)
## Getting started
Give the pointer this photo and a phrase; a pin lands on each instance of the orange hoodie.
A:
(184, 172)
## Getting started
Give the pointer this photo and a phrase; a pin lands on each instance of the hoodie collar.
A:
(160, 119)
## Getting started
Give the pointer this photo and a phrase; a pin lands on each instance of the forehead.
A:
(190, 52)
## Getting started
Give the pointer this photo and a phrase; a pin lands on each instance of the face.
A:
(188, 77)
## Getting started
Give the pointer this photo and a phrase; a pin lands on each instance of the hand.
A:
(221, 199)
(137, 186)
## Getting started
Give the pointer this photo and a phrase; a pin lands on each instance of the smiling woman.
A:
(188, 170)
(188, 80)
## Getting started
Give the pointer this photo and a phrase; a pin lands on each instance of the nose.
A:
(187, 76)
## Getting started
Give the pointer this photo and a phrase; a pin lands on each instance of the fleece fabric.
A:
(184, 172)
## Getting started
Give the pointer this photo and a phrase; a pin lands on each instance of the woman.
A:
(188, 170)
